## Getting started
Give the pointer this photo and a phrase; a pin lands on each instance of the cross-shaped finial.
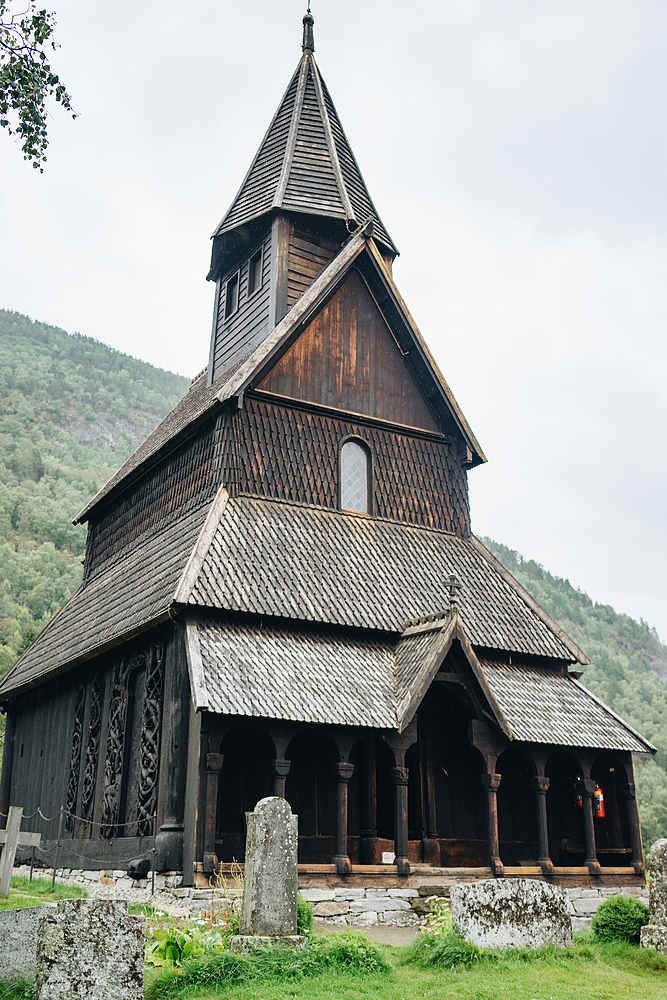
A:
(453, 586)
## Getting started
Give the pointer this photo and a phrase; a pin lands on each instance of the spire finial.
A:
(308, 43)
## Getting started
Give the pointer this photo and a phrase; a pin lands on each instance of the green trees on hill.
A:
(71, 411)
(628, 672)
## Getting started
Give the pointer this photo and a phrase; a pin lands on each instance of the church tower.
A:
(282, 594)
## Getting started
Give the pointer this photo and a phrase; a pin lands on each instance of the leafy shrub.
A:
(305, 916)
(620, 918)
(16, 989)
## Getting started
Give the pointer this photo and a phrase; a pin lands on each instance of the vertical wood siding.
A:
(308, 257)
(234, 337)
(348, 358)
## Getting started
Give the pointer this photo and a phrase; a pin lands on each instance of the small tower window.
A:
(255, 273)
(354, 476)
(232, 295)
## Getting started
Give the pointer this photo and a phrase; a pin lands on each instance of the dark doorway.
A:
(612, 836)
(244, 780)
(311, 792)
(565, 814)
(517, 811)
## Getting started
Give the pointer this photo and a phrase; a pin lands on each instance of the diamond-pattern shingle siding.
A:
(543, 706)
(320, 565)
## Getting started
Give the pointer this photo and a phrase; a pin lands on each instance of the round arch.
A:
(244, 779)
(310, 789)
(517, 807)
(565, 814)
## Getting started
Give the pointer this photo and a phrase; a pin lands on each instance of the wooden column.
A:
(591, 861)
(430, 843)
(279, 771)
(628, 793)
(368, 831)
(400, 776)
(213, 765)
(540, 786)
(341, 860)
(491, 782)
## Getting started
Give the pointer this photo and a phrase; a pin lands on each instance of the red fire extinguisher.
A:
(578, 797)
(598, 803)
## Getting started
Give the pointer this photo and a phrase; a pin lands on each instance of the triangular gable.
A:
(361, 253)
(347, 358)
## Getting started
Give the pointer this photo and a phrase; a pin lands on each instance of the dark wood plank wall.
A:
(180, 477)
(235, 336)
(348, 358)
(308, 256)
(293, 454)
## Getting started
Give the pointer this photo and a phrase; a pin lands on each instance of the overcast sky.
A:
(515, 150)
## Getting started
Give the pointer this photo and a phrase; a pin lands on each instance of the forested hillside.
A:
(629, 672)
(72, 410)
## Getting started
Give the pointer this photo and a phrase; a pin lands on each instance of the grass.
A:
(347, 966)
(24, 893)
(592, 970)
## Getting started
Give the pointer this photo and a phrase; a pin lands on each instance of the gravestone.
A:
(268, 910)
(18, 941)
(90, 949)
(511, 913)
(654, 934)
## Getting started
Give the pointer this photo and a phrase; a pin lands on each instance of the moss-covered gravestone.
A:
(654, 934)
(511, 913)
(268, 911)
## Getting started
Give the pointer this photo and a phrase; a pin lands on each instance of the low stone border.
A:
(340, 905)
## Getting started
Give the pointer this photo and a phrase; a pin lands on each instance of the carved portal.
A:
(75, 758)
(150, 743)
(93, 747)
(134, 729)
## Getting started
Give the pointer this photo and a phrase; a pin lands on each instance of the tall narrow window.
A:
(255, 273)
(354, 477)
(232, 295)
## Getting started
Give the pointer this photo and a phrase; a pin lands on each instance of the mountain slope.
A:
(71, 411)
(628, 672)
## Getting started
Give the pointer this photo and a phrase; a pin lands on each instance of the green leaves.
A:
(26, 78)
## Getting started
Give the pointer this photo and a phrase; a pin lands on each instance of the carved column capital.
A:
(279, 768)
(214, 761)
(343, 771)
(400, 775)
(587, 788)
(491, 782)
(539, 785)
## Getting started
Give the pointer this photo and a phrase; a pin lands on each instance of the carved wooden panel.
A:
(92, 747)
(75, 758)
(348, 358)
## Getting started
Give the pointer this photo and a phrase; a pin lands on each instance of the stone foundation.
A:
(356, 907)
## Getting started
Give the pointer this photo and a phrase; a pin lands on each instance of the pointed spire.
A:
(308, 43)
(305, 163)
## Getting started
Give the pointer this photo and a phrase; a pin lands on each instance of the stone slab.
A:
(18, 941)
(249, 942)
(331, 908)
(318, 895)
(270, 873)
(90, 949)
(654, 937)
(658, 884)
(511, 913)
(380, 904)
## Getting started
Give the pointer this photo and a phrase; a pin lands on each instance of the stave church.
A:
(282, 594)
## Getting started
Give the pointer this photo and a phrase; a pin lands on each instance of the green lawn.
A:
(24, 893)
(590, 971)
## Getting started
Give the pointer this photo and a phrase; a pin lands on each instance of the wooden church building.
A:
(282, 593)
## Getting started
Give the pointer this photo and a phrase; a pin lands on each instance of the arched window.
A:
(354, 469)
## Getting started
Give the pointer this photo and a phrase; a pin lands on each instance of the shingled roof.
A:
(295, 673)
(305, 162)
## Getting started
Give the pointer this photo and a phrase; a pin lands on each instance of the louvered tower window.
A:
(354, 477)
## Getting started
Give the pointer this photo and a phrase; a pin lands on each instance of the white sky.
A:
(516, 152)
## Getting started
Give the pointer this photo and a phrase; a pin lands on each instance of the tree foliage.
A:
(26, 77)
